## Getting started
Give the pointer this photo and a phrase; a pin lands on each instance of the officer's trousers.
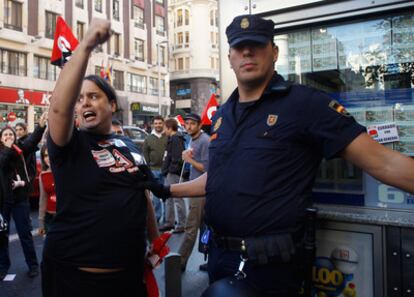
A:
(270, 280)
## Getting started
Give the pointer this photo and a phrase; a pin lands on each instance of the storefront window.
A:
(11, 114)
(366, 65)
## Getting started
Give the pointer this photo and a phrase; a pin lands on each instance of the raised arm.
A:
(67, 89)
(384, 164)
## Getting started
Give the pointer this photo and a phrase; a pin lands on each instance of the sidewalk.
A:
(193, 281)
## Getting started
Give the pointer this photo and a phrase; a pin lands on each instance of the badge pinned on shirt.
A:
(339, 108)
(271, 120)
(217, 124)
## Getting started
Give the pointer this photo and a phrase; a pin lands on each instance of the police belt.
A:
(263, 249)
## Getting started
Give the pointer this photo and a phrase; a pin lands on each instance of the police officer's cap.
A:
(249, 28)
(193, 116)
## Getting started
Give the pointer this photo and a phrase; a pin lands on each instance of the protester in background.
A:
(197, 156)
(153, 150)
(117, 127)
(47, 196)
(22, 134)
(267, 143)
(172, 169)
(97, 244)
(16, 186)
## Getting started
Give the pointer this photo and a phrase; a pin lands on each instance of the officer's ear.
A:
(275, 53)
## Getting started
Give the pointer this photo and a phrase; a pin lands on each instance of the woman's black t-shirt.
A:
(101, 214)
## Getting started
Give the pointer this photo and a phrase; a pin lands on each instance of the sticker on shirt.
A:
(217, 124)
(103, 158)
(121, 160)
(139, 160)
(112, 142)
(271, 120)
(335, 105)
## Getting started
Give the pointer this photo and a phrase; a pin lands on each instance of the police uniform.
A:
(264, 156)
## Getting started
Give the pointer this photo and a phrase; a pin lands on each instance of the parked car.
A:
(136, 134)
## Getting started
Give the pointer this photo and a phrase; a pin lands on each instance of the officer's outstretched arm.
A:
(384, 164)
(68, 86)
(193, 188)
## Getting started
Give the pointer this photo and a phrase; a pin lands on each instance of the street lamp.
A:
(159, 73)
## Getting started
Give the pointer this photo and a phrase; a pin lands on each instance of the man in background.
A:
(197, 157)
(153, 149)
(22, 133)
(117, 127)
(172, 168)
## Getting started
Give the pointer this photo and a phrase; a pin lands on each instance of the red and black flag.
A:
(64, 43)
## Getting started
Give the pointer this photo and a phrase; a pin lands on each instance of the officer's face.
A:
(253, 62)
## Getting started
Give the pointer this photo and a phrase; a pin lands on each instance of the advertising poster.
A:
(343, 265)
(382, 195)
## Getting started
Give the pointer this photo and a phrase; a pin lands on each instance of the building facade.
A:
(135, 58)
(194, 54)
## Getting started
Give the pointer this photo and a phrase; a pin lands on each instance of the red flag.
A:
(64, 43)
(180, 120)
(209, 110)
(159, 251)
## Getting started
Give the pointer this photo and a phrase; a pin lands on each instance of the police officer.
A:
(267, 142)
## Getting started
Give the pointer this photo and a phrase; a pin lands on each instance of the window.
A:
(14, 63)
(79, 3)
(211, 18)
(153, 86)
(187, 17)
(180, 64)
(50, 24)
(160, 1)
(118, 80)
(162, 55)
(80, 29)
(187, 39)
(139, 49)
(162, 87)
(187, 63)
(179, 17)
(98, 5)
(159, 25)
(180, 39)
(137, 83)
(138, 16)
(117, 44)
(363, 64)
(13, 15)
(115, 10)
(43, 69)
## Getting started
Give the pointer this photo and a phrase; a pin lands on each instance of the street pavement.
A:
(193, 284)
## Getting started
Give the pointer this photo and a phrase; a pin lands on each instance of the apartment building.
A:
(194, 53)
(135, 56)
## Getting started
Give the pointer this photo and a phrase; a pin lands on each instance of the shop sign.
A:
(135, 106)
(23, 96)
(148, 108)
(11, 117)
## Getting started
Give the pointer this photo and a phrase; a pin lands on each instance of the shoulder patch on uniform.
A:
(271, 120)
(335, 105)
(217, 124)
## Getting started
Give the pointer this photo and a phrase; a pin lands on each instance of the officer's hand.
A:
(99, 31)
(152, 184)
